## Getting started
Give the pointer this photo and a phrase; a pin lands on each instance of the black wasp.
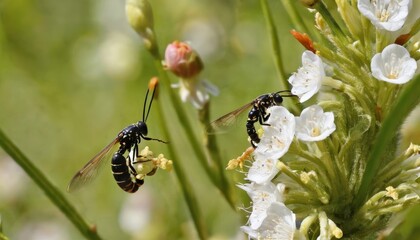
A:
(258, 113)
(122, 167)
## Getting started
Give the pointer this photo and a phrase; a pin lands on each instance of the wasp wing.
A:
(90, 170)
(228, 119)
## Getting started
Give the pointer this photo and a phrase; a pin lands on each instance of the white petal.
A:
(277, 137)
(280, 223)
(314, 125)
(262, 170)
(393, 65)
(306, 82)
(262, 195)
(389, 15)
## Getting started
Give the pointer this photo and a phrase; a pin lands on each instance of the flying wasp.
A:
(258, 113)
(122, 167)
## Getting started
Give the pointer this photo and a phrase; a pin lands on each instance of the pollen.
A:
(239, 161)
(315, 132)
(392, 192)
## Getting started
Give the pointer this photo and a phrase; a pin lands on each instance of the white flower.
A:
(280, 223)
(274, 143)
(307, 81)
(314, 125)
(196, 91)
(262, 196)
(278, 135)
(385, 14)
(393, 65)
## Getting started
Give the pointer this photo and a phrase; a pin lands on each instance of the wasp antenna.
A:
(144, 104)
(291, 95)
(282, 91)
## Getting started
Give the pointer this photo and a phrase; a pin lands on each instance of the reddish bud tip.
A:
(402, 39)
(304, 39)
(182, 60)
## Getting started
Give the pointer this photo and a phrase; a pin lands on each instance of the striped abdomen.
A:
(124, 173)
(253, 116)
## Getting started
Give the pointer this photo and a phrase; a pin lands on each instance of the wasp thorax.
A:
(142, 128)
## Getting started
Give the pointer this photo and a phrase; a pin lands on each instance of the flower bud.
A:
(309, 3)
(304, 39)
(140, 17)
(402, 39)
(182, 60)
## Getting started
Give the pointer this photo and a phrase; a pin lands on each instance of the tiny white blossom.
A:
(280, 223)
(385, 14)
(278, 136)
(393, 65)
(195, 91)
(314, 125)
(307, 81)
(263, 170)
(262, 196)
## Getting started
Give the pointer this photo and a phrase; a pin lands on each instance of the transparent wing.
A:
(228, 119)
(90, 170)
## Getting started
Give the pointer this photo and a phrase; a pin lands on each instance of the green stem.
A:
(186, 124)
(295, 16)
(49, 189)
(186, 187)
(335, 28)
(213, 153)
(275, 43)
(400, 110)
(2, 236)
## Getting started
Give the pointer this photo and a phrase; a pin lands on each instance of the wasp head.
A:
(142, 128)
(277, 98)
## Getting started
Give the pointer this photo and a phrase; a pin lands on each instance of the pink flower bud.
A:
(182, 60)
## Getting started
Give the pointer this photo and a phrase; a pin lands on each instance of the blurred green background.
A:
(73, 74)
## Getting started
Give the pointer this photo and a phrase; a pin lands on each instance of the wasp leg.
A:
(154, 139)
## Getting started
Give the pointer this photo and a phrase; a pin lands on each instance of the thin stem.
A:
(185, 185)
(275, 43)
(295, 16)
(49, 189)
(186, 125)
(335, 28)
(213, 153)
(2, 236)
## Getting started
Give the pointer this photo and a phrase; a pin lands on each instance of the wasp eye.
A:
(277, 98)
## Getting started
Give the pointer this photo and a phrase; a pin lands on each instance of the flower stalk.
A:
(275, 43)
(184, 183)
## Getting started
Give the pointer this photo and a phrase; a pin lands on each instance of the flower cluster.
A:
(270, 218)
(146, 163)
(308, 169)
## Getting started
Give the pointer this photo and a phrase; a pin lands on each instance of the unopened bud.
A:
(140, 17)
(309, 3)
(402, 39)
(182, 60)
(304, 39)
